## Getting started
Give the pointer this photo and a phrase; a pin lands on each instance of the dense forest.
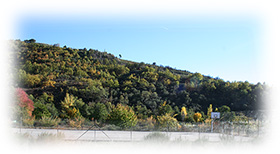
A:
(67, 83)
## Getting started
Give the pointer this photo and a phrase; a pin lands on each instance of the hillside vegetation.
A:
(87, 84)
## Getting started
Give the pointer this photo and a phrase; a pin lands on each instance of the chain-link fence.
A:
(219, 131)
(226, 127)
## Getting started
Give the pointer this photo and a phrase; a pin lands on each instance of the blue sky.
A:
(227, 48)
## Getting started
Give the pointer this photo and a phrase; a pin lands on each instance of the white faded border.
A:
(267, 11)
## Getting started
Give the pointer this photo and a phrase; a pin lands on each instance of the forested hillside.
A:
(64, 82)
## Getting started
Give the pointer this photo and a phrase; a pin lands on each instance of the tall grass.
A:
(157, 137)
(48, 122)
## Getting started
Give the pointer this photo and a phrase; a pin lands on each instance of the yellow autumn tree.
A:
(49, 81)
(183, 113)
(167, 121)
(68, 106)
(197, 117)
(209, 110)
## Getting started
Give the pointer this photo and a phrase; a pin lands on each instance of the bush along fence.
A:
(94, 131)
(122, 118)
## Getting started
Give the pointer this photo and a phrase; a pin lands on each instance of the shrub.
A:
(167, 121)
(24, 138)
(111, 127)
(150, 122)
(122, 116)
(49, 121)
(76, 122)
(28, 121)
(156, 136)
(197, 117)
(146, 124)
(50, 137)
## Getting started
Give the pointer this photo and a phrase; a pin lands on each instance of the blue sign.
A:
(215, 115)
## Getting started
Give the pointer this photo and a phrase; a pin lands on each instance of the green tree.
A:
(165, 109)
(123, 116)
(30, 41)
(100, 112)
(167, 121)
(226, 113)
(224, 109)
(96, 76)
(41, 110)
(44, 106)
(80, 73)
(141, 111)
(32, 80)
(82, 107)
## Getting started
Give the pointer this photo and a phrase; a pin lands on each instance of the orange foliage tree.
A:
(26, 105)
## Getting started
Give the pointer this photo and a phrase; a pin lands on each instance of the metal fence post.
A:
(238, 130)
(212, 123)
(95, 135)
(56, 131)
(232, 127)
(20, 125)
(198, 132)
(258, 127)
(131, 135)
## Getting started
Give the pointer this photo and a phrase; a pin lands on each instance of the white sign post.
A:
(214, 115)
